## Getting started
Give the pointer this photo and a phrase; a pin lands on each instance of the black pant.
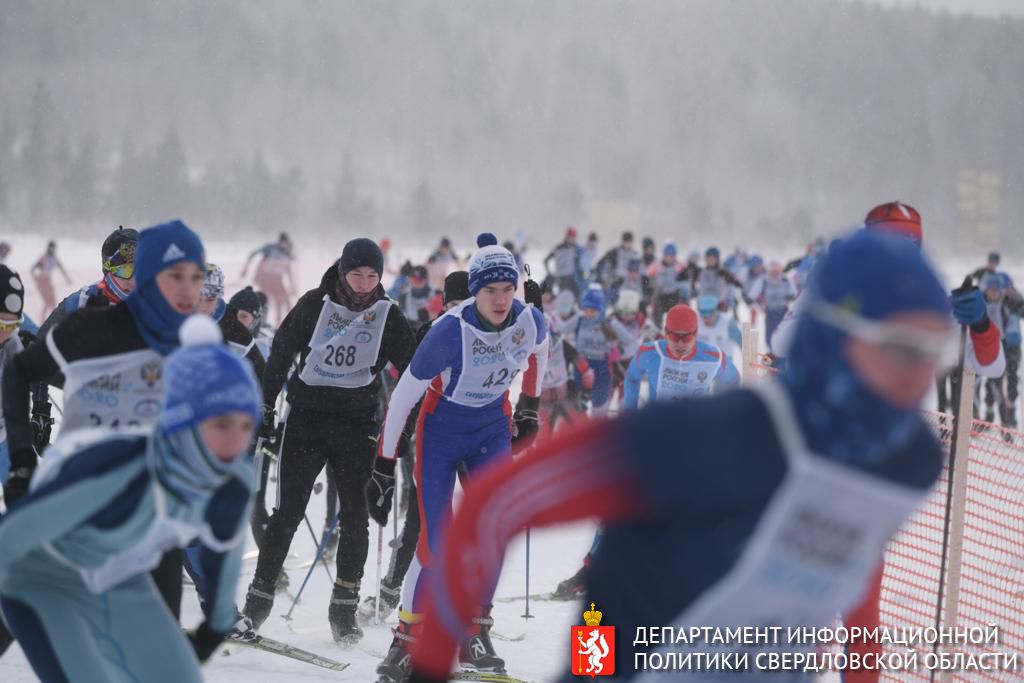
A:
(310, 441)
(259, 519)
(167, 577)
(402, 553)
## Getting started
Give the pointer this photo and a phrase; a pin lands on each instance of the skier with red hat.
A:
(678, 365)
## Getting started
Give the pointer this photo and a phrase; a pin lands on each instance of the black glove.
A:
(17, 482)
(268, 430)
(380, 489)
(205, 641)
(533, 294)
(41, 426)
(526, 420)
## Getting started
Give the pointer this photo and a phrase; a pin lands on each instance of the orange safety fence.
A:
(992, 550)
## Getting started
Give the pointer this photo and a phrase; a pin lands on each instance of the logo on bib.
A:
(364, 337)
(147, 408)
(151, 373)
(701, 376)
(369, 317)
(592, 646)
(518, 336)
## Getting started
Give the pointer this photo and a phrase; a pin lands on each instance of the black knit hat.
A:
(247, 300)
(12, 292)
(361, 252)
(456, 286)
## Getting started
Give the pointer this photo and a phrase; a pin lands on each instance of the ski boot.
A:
(243, 629)
(389, 597)
(342, 613)
(476, 652)
(397, 664)
(258, 603)
(573, 587)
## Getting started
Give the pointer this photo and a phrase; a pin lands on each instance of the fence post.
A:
(959, 470)
(749, 352)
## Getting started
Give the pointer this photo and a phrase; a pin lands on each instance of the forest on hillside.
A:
(716, 119)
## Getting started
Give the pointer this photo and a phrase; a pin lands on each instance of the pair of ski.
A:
(259, 642)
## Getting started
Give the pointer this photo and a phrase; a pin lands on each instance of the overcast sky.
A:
(986, 7)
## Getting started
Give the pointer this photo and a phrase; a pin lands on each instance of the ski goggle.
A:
(11, 325)
(122, 262)
(901, 343)
(680, 336)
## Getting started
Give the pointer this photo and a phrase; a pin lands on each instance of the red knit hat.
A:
(570, 233)
(681, 319)
(896, 217)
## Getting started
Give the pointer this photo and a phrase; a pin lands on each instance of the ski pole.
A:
(323, 560)
(380, 559)
(319, 553)
(527, 614)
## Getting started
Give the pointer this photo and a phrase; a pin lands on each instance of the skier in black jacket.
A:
(345, 332)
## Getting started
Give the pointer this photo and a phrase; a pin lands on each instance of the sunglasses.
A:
(680, 336)
(900, 343)
(10, 325)
(122, 262)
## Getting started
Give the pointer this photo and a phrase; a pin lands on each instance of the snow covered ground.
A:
(540, 656)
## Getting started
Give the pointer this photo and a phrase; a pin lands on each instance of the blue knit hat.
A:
(491, 264)
(204, 379)
(162, 246)
(593, 298)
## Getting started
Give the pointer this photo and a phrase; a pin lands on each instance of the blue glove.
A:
(969, 305)
(1013, 338)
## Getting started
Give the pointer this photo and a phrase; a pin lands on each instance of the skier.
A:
(1005, 311)
(12, 340)
(588, 258)
(118, 266)
(112, 360)
(345, 332)
(774, 293)
(41, 273)
(466, 365)
(211, 297)
(664, 278)
(104, 506)
(275, 264)
(567, 272)
(811, 486)
(413, 301)
(679, 365)
(718, 327)
(593, 339)
(456, 290)
(441, 262)
(688, 277)
(615, 263)
(714, 280)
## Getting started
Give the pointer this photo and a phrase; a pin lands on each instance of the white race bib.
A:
(122, 390)
(345, 345)
(491, 360)
(684, 378)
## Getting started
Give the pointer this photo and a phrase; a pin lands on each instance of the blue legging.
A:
(602, 391)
